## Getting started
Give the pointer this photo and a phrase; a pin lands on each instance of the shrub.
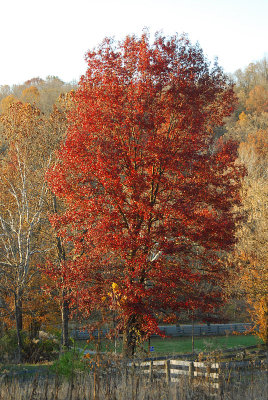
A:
(34, 350)
(8, 346)
(69, 363)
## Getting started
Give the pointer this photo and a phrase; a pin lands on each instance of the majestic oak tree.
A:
(150, 193)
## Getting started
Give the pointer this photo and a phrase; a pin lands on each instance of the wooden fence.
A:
(172, 369)
(213, 374)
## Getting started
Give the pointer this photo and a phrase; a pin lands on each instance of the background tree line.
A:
(32, 126)
(249, 126)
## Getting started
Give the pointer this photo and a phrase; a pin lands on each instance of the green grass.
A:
(29, 369)
(180, 345)
(208, 343)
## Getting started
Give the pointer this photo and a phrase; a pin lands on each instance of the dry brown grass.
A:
(129, 385)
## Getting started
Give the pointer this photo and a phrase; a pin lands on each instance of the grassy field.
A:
(180, 345)
(184, 345)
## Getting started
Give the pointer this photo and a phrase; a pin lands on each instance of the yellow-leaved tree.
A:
(23, 203)
(252, 247)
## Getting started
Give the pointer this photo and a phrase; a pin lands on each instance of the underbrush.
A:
(44, 348)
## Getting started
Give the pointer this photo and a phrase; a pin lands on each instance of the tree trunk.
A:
(18, 319)
(65, 303)
(65, 323)
(130, 337)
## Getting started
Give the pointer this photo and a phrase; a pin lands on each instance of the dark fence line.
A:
(180, 330)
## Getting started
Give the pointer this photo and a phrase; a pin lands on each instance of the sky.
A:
(51, 37)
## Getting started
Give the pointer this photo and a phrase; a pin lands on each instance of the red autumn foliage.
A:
(149, 193)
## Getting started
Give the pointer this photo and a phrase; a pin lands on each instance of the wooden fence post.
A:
(151, 371)
(167, 365)
(220, 382)
(208, 371)
(191, 372)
